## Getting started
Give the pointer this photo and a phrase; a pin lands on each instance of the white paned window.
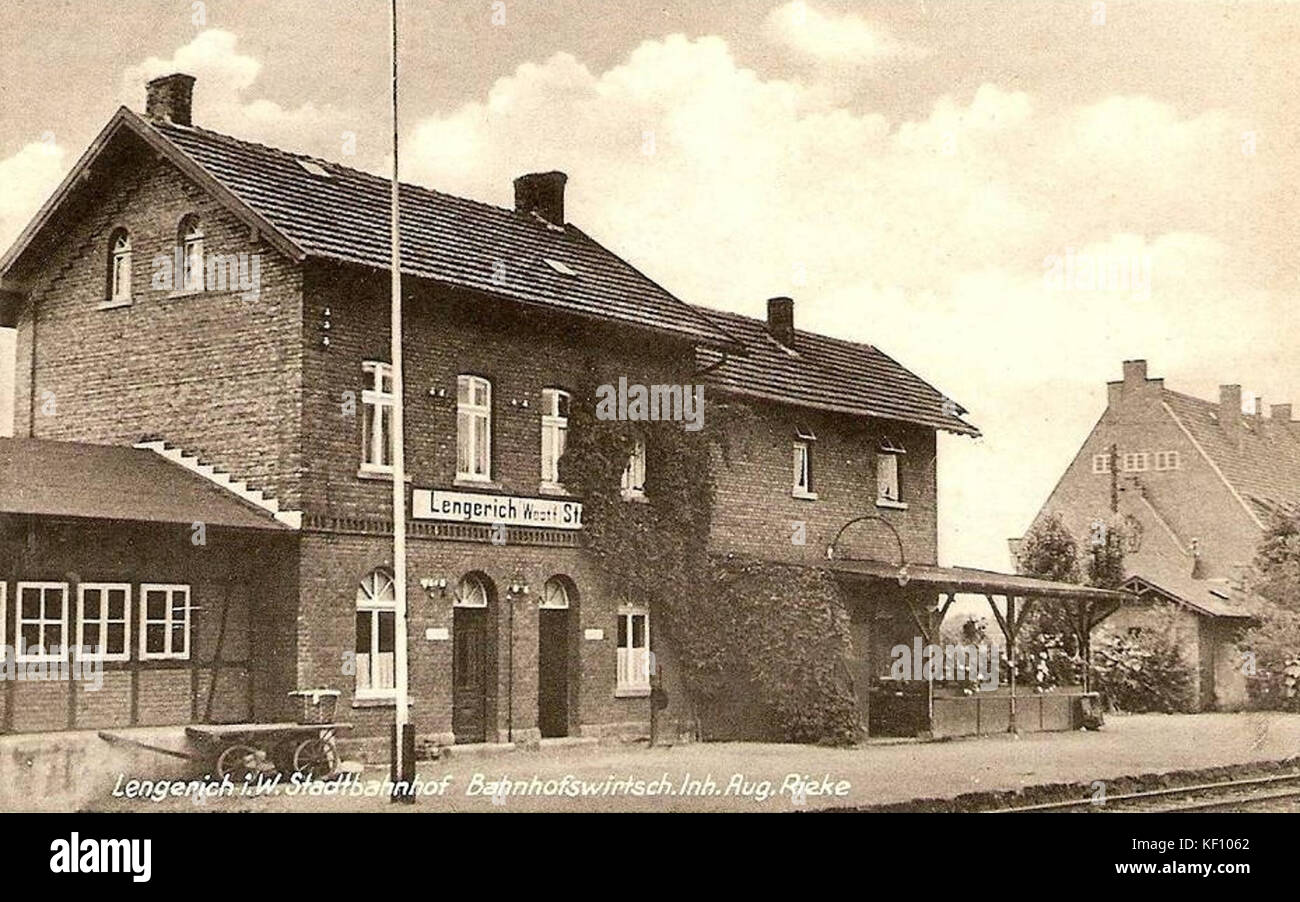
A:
(376, 635)
(41, 621)
(633, 650)
(473, 428)
(377, 418)
(555, 428)
(119, 275)
(104, 621)
(164, 622)
(633, 481)
(1101, 463)
(191, 254)
(802, 484)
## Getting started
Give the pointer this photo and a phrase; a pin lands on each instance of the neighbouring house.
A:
(1191, 484)
(223, 307)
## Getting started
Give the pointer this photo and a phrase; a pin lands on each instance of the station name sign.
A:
(510, 510)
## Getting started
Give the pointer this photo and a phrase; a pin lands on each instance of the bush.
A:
(1143, 673)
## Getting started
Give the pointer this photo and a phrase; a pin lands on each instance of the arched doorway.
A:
(469, 676)
(554, 631)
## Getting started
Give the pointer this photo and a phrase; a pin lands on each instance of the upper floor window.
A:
(1101, 463)
(376, 644)
(377, 418)
(634, 473)
(119, 267)
(164, 622)
(802, 475)
(191, 244)
(1136, 461)
(887, 488)
(1168, 460)
(555, 426)
(473, 428)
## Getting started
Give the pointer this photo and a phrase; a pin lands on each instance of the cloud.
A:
(27, 179)
(225, 101)
(845, 40)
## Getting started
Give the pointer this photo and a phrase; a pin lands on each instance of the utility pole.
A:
(403, 764)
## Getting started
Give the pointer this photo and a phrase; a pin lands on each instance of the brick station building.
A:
(277, 390)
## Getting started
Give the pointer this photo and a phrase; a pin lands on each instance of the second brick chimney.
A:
(170, 98)
(541, 193)
(1230, 410)
(780, 320)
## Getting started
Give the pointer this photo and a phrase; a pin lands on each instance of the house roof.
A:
(1210, 597)
(111, 482)
(1262, 465)
(827, 373)
(343, 215)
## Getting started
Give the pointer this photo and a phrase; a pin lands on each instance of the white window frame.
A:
(889, 475)
(373, 599)
(20, 622)
(1101, 463)
(625, 681)
(555, 595)
(462, 598)
(168, 622)
(801, 470)
(632, 482)
(376, 403)
(103, 620)
(192, 252)
(119, 290)
(1136, 461)
(468, 414)
(1168, 460)
(555, 430)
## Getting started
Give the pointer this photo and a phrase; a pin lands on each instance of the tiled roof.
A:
(1211, 597)
(827, 373)
(1262, 465)
(109, 482)
(344, 215)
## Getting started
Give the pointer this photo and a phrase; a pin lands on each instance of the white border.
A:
(145, 589)
(125, 654)
(18, 621)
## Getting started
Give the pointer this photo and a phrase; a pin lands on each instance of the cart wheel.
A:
(239, 762)
(315, 757)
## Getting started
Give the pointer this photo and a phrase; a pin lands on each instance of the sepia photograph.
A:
(610, 407)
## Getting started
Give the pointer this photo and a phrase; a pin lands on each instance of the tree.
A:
(1271, 647)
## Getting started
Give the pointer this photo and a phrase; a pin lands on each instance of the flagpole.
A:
(403, 769)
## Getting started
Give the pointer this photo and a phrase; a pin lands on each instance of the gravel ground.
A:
(772, 777)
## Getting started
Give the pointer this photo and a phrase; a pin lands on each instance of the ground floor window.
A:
(164, 622)
(376, 635)
(633, 650)
(42, 621)
(104, 620)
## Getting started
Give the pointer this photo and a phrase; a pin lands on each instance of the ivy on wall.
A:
(779, 631)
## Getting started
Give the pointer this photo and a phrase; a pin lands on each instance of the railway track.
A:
(1276, 793)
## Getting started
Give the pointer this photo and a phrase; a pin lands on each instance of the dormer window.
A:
(191, 246)
(119, 268)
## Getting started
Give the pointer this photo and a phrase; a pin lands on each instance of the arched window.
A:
(376, 640)
(472, 591)
(634, 472)
(473, 428)
(555, 594)
(119, 266)
(190, 240)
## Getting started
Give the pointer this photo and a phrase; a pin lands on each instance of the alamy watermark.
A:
(679, 403)
(1084, 272)
(240, 272)
(955, 663)
(34, 665)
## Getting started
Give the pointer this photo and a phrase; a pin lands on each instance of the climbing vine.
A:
(779, 631)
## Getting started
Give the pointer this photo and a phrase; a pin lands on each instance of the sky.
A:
(938, 179)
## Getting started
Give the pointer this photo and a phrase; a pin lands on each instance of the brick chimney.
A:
(1280, 412)
(170, 98)
(780, 320)
(1230, 411)
(541, 193)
